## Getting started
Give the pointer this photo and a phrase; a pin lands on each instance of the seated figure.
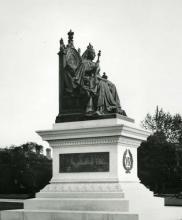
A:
(102, 94)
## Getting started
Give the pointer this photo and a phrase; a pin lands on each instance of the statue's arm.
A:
(94, 68)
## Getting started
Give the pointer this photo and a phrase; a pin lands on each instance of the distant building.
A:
(48, 153)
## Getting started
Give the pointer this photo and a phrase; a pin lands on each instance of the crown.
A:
(88, 51)
(90, 47)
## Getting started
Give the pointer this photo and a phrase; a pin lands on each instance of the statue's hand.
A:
(97, 63)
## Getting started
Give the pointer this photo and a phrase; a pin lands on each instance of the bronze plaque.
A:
(84, 162)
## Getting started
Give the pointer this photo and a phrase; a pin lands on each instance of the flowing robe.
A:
(107, 99)
(87, 70)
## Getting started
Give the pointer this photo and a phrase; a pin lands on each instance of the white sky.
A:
(141, 44)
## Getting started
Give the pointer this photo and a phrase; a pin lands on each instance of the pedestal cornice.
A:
(114, 129)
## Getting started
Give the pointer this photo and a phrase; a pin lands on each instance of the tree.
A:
(160, 157)
(32, 147)
(23, 169)
(157, 165)
(165, 123)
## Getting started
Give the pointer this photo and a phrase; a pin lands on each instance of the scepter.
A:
(98, 55)
(98, 68)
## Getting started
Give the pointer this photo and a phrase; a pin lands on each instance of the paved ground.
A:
(165, 213)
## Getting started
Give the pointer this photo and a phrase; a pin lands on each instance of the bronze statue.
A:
(83, 93)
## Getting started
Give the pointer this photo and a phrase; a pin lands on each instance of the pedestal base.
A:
(61, 201)
(68, 201)
(134, 202)
(65, 215)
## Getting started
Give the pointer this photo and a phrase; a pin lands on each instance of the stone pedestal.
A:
(98, 179)
(113, 136)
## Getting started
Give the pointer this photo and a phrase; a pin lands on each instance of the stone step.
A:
(65, 215)
(84, 204)
(80, 195)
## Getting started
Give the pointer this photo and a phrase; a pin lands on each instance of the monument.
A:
(94, 148)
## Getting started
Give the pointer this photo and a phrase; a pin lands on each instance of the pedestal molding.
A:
(95, 141)
(83, 187)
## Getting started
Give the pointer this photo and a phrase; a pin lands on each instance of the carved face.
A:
(91, 55)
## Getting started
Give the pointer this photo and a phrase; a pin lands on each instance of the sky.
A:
(141, 52)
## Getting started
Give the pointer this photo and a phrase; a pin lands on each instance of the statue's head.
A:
(89, 53)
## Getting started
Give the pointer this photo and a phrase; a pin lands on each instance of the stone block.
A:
(12, 215)
(78, 204)
(66, 215)
(80, 195)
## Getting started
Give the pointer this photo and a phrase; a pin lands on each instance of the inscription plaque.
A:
(84, 162)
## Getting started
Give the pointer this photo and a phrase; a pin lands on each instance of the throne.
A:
(73, 98)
